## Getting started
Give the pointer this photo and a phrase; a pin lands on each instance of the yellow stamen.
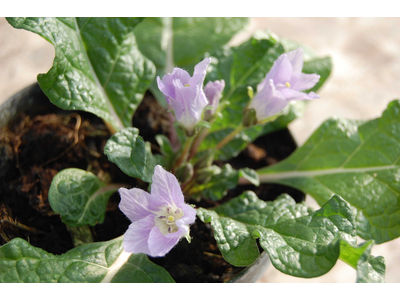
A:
(288, 84)
(186, 84)
(171, 218)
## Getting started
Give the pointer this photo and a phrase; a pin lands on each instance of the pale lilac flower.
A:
(213, 91)
(185, 94)
(159, 219)
(282, 84)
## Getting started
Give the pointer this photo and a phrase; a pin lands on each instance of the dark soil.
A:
(37, 145)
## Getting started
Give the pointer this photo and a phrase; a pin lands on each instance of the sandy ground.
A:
(363, 81)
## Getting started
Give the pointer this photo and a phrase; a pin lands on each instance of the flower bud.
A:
(204, 176)
(205, 160)
(213, 92)
(249, 117)
(184, 172)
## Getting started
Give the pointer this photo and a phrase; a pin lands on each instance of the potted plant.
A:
(104, 66)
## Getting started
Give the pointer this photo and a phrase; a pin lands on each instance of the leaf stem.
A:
(229, 137)
(80, 235)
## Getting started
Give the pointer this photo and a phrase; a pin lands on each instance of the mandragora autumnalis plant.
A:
(105, 65)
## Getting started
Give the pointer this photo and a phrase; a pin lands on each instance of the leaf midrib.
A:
(99, 192)
(97, 82)
(272, 177)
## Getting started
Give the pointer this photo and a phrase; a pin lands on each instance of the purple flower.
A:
(185, 94)
(213, 91)
(160, 219)
(283, 84)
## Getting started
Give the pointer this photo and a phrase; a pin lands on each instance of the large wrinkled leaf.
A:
(299, 243)
(79, 197)
(97, 67)
(95, 262)
(360, 162)
(234, 221)
(370, 269)
(182, 42)
(131, 154)
(141, 270)
(247, 65)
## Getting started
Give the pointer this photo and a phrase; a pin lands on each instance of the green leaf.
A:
(358, 161)
(94, 262)
(131, 154)
(190, 37)
(370, 269)
(97, 67)
(233, 223)
(79, 197)
(140, 269)
(299, 243)
(251, 175)
(183, 42)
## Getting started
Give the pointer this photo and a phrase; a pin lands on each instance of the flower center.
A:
(280, 85)
(186, 84)
(166, 219)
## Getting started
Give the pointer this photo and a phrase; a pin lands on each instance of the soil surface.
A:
(37, 145)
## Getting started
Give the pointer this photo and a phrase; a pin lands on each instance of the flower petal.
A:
(295, 58)
(160, 244)
(268, 102)
(137, 204)
(181, 75)
(301, 82)
(213, 91)
(189, 214)
(165, 186)
(136, 238)
(292, 95)
(200, 101)
(189, 104)
(166, 87)
(281, 71)
(201, 67)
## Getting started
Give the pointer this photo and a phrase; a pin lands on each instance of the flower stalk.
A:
(185, 151)
(229, 137)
